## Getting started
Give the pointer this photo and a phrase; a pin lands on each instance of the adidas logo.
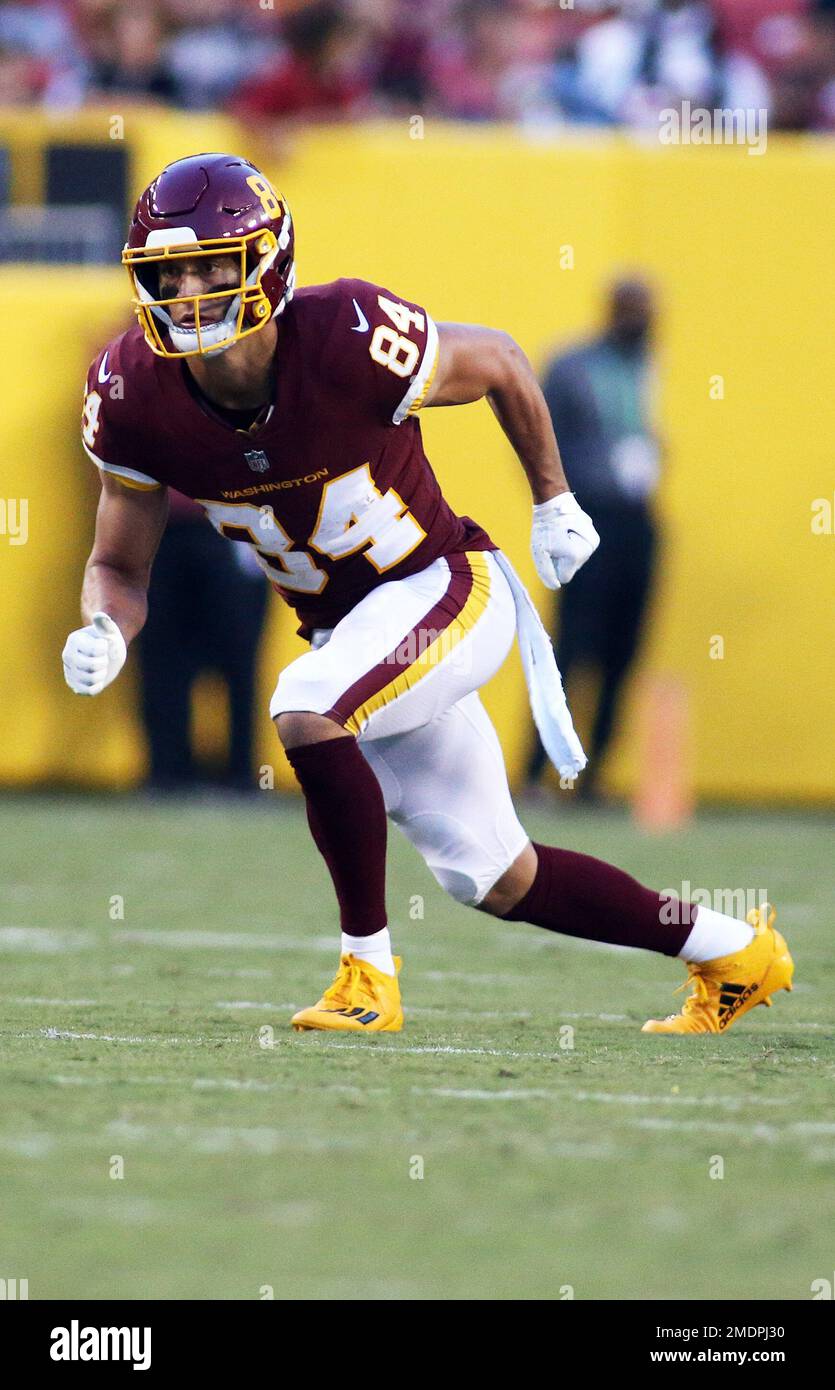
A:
(731, 999)
(354, 1013)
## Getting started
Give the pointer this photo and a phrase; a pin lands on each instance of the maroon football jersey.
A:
(331, 486)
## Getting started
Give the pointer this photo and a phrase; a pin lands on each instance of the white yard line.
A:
(61, 1034)
(243, 1004)
(596, 1097)
(224, 941)
(56, 1034)
(82, 1080)
(769, 1134)
(207, 1083)
(66, 1035)
(599, 1018)
(28, 1145)
(720, 1102)
(426, 1049)
(51, 1003)
(124, 1210)
(226, 973)
(232, 1083)
(194, 1083)
(45, 940)
(218, 1139)
(450, 1093)
(464, 977)
(143, 1211)
(452, 1010)
(212, 1083)
(55, 941)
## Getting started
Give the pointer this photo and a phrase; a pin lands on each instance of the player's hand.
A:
(562, 539)
(94, 656)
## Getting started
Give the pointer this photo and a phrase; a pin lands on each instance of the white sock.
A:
(376, 949)
(713, 935)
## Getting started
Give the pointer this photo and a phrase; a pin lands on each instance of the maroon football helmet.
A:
(208, 206)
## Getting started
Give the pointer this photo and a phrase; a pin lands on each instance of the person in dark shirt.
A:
(598, 396)
(208, 604)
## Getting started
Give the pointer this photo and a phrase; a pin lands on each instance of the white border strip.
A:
(131, 474)
(425, 369)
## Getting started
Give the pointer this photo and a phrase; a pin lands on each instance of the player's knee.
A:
(511, 887)
(297, 728)
(462, 887)
(451, 852)
(469, 861)
(294, 702)
(502, 895)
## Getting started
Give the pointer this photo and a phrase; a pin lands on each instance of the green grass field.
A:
(291, 1166)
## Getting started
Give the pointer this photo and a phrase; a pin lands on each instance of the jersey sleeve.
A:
(383, 349)
(110, 433)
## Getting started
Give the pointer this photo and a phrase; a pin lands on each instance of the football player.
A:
(291, 417)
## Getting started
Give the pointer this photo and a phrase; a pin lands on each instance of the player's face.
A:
(191, 275)
(631, 313)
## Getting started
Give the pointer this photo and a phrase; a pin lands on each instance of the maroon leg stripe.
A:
(438, 618)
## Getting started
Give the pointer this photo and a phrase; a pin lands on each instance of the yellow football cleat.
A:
(727, 987)
(362, 999)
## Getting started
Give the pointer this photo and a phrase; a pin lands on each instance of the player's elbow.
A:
(130, 574)
(510, 363)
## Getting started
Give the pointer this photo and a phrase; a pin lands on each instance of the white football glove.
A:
(562, 539)
(94, 656)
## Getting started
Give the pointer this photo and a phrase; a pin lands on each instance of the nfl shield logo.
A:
(257, 460)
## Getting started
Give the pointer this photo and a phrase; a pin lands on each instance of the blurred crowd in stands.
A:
(540, 63)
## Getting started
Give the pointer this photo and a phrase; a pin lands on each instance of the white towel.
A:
(547, 697)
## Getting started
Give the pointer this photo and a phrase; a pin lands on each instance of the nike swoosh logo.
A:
(104, 376)
(361, 325)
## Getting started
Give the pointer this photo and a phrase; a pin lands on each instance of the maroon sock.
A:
(347, 819)
(582, 896)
